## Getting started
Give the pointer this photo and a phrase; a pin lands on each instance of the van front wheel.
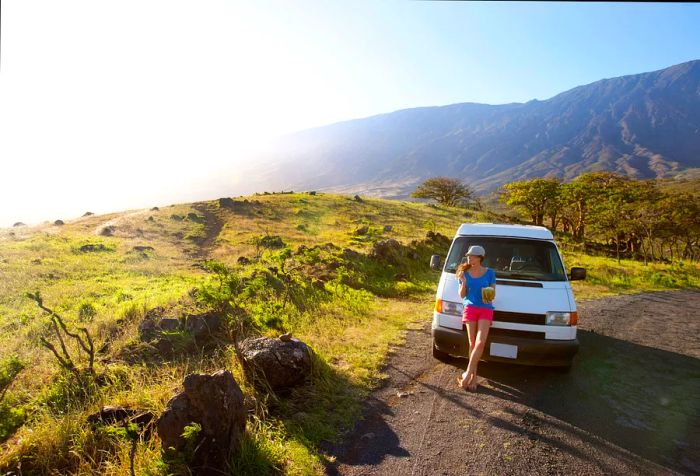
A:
(439, 355)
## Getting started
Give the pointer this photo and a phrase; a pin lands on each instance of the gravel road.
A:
(629, 405)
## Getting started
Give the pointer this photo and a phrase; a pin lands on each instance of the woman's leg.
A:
(472, 330)
(482, 334)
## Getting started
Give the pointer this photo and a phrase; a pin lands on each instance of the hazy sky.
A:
(110, 105)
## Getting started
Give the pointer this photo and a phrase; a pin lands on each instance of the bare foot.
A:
(466, 380)
(473, 383)
(462, 381)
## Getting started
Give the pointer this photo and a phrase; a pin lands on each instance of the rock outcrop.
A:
(282, 363)
(214, 403)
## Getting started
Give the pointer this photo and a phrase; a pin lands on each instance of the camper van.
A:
(534, 321)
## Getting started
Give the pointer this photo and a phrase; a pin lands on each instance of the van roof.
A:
(496, 229)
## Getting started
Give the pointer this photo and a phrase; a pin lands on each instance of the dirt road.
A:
(630, 404)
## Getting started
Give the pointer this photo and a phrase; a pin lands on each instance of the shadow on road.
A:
(373, 453)
(639, 398)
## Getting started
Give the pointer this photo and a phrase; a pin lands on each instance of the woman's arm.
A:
(462, 284)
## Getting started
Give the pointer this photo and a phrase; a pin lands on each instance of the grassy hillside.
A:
(299, 262)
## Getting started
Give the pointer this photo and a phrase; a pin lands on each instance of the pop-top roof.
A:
(493, 229)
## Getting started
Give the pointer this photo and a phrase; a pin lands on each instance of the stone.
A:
(87, 214)
(121, 416)
(108, 230)
(143, 248)
(287, 337)
(388, 228)
(19, 223)
(357, 198)
(59, 223)
(169, 324)
(147, 329)
(350, 254)
(92, 247)
(281, 364)
(363, 230)
(226, 202)
(203, 324)
(388, 251)
(216, 403)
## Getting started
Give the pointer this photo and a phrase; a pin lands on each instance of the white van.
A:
(535, 317)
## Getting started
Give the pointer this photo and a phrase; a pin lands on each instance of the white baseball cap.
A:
(476, 250)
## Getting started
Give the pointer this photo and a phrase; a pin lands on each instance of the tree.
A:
(444, 190)
(537, 197)
(614, 212)
(578, 196)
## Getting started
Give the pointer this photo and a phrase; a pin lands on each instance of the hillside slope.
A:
(301, 263)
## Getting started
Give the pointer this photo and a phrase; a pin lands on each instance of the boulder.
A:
(87, 214)
(363, 230)
(438, 238)
(195, 218)
(216, 403)
(92, 247)
(282, 363)
(19, 223)
(168, 335)
(147, 329)
(203, 324)
(351, 254)
(108, 230)
(388, 251)
(168, 324)
(59, 223)
(226, 202)
(357, 198)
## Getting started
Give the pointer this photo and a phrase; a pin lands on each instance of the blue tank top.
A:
(474, 286)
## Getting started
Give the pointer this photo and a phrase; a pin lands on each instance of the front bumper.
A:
(543, 352)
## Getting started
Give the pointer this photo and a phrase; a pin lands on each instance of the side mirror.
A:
(435, 262)
(577, 274)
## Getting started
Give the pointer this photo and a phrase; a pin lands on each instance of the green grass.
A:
(605, 277)
(308, 271)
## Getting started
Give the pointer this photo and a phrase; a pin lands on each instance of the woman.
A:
(478, 313)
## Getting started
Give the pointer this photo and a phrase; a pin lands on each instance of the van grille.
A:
(496, 332)
(519, 317)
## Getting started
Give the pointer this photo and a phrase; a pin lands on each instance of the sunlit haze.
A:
(112, 105)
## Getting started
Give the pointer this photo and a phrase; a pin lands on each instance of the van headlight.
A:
(449, 307)
(556, 318)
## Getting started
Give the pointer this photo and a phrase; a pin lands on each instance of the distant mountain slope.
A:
(644, 125)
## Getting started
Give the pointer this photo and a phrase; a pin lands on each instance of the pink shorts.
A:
(474, 314)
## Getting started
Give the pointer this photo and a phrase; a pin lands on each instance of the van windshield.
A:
(511, 258)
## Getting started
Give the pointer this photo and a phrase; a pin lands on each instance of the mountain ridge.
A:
(644, 125)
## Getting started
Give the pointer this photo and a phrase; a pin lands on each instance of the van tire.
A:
(440, 355)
